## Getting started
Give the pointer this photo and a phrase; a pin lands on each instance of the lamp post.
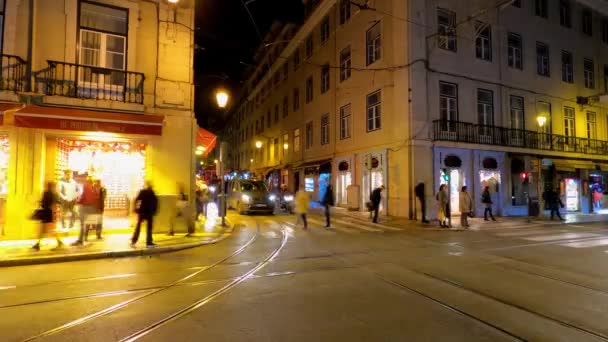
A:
(222, 97)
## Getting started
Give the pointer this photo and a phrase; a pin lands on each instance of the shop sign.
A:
(547, 162)
(86, 125)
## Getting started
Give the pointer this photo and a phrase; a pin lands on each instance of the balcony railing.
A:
(12, 73)
(501, 136)
(89, 82)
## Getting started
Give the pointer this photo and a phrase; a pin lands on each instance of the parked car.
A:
(249, 196)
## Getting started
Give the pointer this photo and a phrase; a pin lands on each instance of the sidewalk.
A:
(113, 245)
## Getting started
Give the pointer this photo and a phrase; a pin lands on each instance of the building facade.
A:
(500, 94)
(103, 88)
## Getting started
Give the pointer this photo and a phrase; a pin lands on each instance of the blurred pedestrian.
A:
(146, 206)
(375, 199)
(555, 202)
(486, 199)
(302, 205)
(47, 214)
(87, 205)
(69, 191)
(102, 193)
(182, 210)
(442, 206)
(328, 202)
(466, 207)
(420, 194)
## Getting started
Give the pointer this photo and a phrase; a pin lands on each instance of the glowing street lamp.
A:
(541, 119)
(285, 146)
(198, 152)
(221, 96)
(251, 160)
(258, 144)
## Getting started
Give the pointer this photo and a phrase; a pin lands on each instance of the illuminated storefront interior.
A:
(4, 158)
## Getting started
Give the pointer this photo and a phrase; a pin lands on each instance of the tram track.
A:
(123, 304)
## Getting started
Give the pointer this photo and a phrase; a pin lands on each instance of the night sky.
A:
(226, 39)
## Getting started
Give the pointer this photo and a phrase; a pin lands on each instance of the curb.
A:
(116, 254)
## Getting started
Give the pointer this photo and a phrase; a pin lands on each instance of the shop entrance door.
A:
(572, 194)
(456, 182)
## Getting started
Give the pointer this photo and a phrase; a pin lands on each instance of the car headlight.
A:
(272, 197)
(245, 198)
(288, 198)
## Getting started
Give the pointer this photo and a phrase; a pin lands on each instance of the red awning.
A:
(6, 107)
(206, 139)
(88, 120)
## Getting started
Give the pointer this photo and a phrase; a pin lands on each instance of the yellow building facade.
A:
(103, 88)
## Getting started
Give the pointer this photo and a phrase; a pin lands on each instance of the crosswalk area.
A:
(569, 236)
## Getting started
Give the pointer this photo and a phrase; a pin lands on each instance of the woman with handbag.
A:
(466, 206)
(47, 214)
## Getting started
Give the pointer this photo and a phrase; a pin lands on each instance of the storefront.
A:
(375, 174)
(344, 179)
(316, 176)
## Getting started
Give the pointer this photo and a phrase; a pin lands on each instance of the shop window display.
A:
(4, 157)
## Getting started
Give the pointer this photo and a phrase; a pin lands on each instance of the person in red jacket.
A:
(87, 205)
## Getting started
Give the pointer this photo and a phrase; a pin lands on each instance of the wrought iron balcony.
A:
(12, 73)
(500, 136)
(89, 82)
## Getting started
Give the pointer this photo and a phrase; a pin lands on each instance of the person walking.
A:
(328, 202)
(87, 205)
(146, 206)
(555, 202)
(302, 205)
(69, 191)
(376, 198)
(419, 192)
(465, 206)
(102, 193)
(47, 215)
(486, 199)
(442, 206)
(182, 210)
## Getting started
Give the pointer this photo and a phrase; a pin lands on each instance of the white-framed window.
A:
(345, 115)
(483, 41)
(591, 126)
(373, 42)
(569, 125)
(448, 101)
(296, 140)
(374, 111)
(544, 109)
(344, 11)
(567, 67)
(345, 64)
(542, 59)
(309, 90)
(285, 143)
(324, 78)
(515, 56)
(485, 107)
(309, 135)
(276, 149)
(325, 29)
(325, 129)
(102, 43)
(446, 29)
(517, 112)
(589, 73)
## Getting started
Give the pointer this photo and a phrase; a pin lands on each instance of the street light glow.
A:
(251, 160)
(198, 152)
(201, 148)
(541, 119)
(222, 98)
(173, 1)
(216, 161)
(258, 144)
(285, 146)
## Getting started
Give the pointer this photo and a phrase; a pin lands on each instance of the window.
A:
(446, 21)
(541, 8)
(345, 64)
(276, 113)
(587, 22)
(324, 78)
(309, 90)
(448, 101)
(569, 126)
(517, 3)
(296, 59)
(276, 149)
(591, 126)
(517, 112)
(103, 43)
(483, 41)
(345, 122)
(515, 58)
(309, 46)
(309, 135)
(285, 71)
(325, 29)
(544, 110)
(268, 119)
(374, 111)
(567, 67)
(564, 13)
(589, 73)
(605, 31)
(485, 107)
(285, 106)
(325, 129)
(542, 59)
(262, 124)
(296, 99)
(296, 140)
(344, 11)
(373, 43)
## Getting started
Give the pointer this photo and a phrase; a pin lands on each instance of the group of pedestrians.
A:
(465, 203)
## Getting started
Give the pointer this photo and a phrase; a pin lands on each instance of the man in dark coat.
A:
(146, 206)
(376, 198)
(328, 201)
(419, 191)
(555, 202)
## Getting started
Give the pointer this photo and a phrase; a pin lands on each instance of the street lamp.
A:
(541, 119)
(258, 144)
(285, 146)
(198, 152)
(221, 96)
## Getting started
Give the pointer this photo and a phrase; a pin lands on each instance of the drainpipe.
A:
(30, 47)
